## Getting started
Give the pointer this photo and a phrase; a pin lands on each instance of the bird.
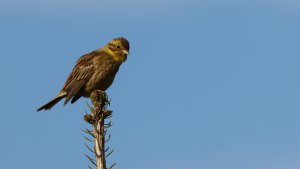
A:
(93, 71)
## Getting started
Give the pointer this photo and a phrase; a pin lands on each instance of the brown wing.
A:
(80, 75)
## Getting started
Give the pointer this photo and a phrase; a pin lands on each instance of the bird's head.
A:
(119, 49)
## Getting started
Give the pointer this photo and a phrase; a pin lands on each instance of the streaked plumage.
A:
(93, 71)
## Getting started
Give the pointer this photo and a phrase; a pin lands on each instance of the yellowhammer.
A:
(93, 71)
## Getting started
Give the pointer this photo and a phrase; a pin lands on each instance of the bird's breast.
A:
(103, 77)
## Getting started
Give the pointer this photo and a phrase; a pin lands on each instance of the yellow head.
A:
(119, 49)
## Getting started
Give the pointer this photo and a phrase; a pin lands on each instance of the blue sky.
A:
(209, 84)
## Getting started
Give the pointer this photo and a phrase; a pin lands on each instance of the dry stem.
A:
(99, 114)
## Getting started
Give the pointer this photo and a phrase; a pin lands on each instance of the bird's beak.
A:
(125, 52)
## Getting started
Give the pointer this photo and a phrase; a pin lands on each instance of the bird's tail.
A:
(53, 101)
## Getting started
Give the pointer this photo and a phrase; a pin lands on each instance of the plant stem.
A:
(97, 119)
(99, 142)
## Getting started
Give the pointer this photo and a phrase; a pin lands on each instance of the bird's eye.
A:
(118, 46)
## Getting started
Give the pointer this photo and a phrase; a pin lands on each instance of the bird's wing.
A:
(80, 75)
